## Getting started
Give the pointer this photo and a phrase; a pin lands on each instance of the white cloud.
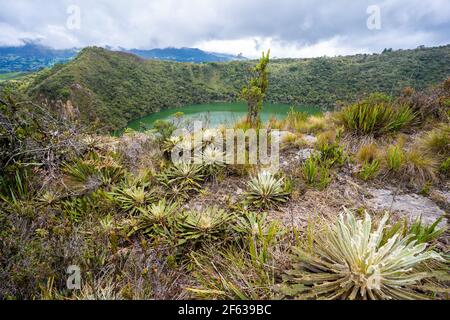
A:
(290, 27)
(253, 47)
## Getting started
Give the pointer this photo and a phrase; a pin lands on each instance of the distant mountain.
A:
(184, 55)
(111, 88)
(33, 57)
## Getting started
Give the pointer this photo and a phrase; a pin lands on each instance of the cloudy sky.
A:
(291, 28)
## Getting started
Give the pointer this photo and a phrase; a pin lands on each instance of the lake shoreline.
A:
(217, 113)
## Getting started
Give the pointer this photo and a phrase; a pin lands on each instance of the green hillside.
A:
(111, 88)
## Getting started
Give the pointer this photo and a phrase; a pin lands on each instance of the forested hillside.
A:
(111, 88)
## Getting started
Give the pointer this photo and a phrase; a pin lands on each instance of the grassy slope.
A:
(114, 88)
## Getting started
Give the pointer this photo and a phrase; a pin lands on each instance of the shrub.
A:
(348, 261)
(265, 191)
(394, 158)
(310, 169)
(425, 233)
(331, 154)
(242, 124)
(293, 140)
(375, 116)
(95, 203)
(170, 144)
(328, 137)
(275, 124)
(174, 191)
(164, 129)
(369, 170)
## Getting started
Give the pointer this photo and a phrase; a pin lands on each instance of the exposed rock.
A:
(411, 206)
(138, 149)
(442, 198)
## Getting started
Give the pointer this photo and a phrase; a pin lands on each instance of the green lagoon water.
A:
(215, 114)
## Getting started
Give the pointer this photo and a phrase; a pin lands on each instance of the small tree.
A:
(255, 91)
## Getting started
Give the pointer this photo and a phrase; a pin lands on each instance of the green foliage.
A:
(255, 91)
(369, 170)
(417, 232)
(31, 57)
(231, 274)
(368, 153)
(310, 169)
(425, 233)
(315, 172)
(94, 171)
(116, 88)
(240, 271)
(79, 207)
(12, 76)
(375, 115)
(134, 199)
(437, 141)
(394, 158)
(170, 144)
(295, 119)
(164, 129)
(445, 167)
(265, 191)
(157, 218)
(207, 225)
(184, 175)
(349, 261)
(331, 154)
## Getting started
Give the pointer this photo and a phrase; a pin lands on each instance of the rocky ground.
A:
(346, 190)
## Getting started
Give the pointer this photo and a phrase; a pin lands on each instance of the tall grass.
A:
(295, 119)
(368, 153)
(369, 170)
(394, 158)
(420, 166)
(375, 116)
(437, 141)
(316, 173)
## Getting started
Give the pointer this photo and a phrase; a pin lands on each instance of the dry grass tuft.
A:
(420, 167)
(368, 153)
